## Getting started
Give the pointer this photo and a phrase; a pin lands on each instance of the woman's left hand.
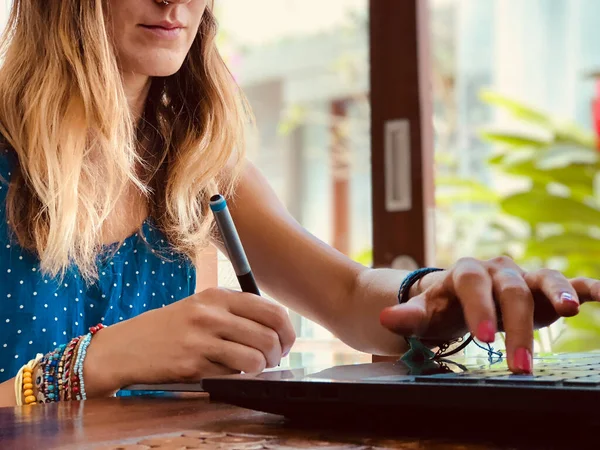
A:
(484, 297)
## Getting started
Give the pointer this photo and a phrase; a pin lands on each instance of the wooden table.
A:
(182, 422)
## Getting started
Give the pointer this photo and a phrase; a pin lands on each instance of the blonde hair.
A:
(64, 111)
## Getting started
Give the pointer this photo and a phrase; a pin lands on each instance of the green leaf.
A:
(572, 134)
(516, 108)
(565, 244)
(513, 139)
(567, 133)
(565, 155)
(578, 178)
(541, 207)
(497, 160)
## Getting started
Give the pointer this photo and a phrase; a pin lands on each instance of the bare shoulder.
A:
(254, 205)
(245, 180)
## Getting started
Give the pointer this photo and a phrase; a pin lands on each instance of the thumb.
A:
(407, 319)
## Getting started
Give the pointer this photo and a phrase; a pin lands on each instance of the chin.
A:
(161, 69)
(162, 66)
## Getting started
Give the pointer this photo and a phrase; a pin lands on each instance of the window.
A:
(514, 84)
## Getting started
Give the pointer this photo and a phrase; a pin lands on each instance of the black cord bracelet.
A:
(411, 279)
(404, 296)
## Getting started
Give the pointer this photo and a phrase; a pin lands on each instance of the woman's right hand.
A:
(214, 332)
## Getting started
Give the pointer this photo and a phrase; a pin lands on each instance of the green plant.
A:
(543, 210)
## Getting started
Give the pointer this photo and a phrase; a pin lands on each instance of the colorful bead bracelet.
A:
(56, 376)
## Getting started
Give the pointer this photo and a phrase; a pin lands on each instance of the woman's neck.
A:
(136, 89)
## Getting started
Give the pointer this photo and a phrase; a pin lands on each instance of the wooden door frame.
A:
(401, 90)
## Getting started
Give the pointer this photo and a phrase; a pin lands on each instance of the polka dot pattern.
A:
(38, 312)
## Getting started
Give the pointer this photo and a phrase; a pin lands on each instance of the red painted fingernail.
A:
(523, 361)
(486, 331)
(567, 298)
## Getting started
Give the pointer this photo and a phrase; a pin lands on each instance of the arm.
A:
(359, 304)
(309, 276)
(7, 394)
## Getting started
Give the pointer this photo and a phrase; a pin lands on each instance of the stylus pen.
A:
(233, 245)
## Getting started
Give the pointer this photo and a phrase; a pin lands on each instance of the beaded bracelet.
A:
(28, 387)
(67, 365)
(59, 374)
(24, 387)
(50, 385)
(79, 364)
(81, 354)
(74, 382)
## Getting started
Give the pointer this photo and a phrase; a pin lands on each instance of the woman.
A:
(119, 116)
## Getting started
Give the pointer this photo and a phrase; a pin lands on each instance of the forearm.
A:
(7, 394)
(374, 290)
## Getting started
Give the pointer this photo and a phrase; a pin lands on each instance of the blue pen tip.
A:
(217, 203)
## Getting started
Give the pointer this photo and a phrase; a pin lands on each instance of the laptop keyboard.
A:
(558, 373)
(563, 371)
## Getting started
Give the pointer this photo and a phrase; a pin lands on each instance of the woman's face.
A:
(153, 38)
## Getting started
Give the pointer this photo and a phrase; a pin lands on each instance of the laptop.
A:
(480, 391)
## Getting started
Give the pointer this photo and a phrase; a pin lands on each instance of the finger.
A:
(236, 356)
(557, 289)
(269, 314)
(517, 308)
(587, 289)
(253, 334)
(407, 319)
(213, 369)
(471, 283)
(193, 371)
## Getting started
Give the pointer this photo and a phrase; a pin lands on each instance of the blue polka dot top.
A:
(37, 313)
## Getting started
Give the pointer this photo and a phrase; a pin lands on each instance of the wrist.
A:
(103, 370)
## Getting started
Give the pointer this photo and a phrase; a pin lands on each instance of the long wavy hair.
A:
(64, 111)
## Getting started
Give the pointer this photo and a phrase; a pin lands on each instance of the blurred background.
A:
(514, 120)
(513, 87)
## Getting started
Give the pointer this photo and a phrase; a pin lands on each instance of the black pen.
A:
(233, 245)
